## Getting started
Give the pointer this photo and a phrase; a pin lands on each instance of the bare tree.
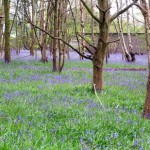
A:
(104, 22)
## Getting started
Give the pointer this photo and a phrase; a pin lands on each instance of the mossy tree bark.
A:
(7, 30)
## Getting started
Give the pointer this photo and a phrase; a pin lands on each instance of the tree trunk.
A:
(99, 54)
(92, 23)
(97, 72)
(1, 38)
(1, 30)
(55, 66)
(32, 47)
(82, 30)
(43, 35)
(146, 14)
(128, 30)
(7, 31)
(63, 28)
(146, 111)
(123, 44)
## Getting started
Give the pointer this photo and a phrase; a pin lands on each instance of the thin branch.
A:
(89, 11)
(87, 48)
(114, 16)
(75, 25)
(14, 16)
(100, 9)
(46, 32)
(137, 19)
(141, 8)
(87, 41)
(103, 11)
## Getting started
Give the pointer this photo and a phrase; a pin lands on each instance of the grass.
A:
(40, 109)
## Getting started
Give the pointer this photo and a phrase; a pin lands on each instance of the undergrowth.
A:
(40, 109)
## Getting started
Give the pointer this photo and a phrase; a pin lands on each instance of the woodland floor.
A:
(114, 58)
(40, 109)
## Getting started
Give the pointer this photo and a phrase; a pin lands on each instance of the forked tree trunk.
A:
(99, 54)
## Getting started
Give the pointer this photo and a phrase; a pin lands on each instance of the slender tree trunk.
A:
(82, 29)
(63, 28)
(17, 42)
(128, 30)
(7, 31)
(43, 35)
(1, 30)
(32, 47)
(92, 24)
(55, 65)
(124, 48)
(60, 16)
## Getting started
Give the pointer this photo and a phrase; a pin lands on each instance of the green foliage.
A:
(44, 110)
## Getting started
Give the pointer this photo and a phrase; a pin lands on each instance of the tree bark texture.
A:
(55, 65)
(43, 35)
(7, 31)
(99, 54)
(146, 14)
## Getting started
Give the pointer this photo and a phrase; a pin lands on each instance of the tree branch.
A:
(46, 32)
(114, 16)
(103, 11)
(140, 7)
(87, 41)
(89, 11)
